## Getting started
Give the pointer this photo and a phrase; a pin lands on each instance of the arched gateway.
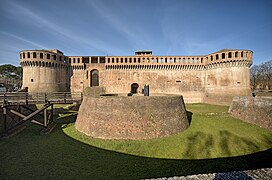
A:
(134, 88)
(94, 78)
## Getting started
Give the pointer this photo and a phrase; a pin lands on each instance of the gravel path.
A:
(258, 174)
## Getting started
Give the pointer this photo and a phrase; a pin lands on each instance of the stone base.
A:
(255, 110)
(132, 117)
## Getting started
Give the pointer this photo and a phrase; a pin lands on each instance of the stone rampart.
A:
(255, 110)
(132, 117)
(213, 78)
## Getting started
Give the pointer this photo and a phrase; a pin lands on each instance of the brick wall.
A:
(255, 110)
(136, 117)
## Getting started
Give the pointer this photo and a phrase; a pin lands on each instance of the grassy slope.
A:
(62, 155)
(212, 134)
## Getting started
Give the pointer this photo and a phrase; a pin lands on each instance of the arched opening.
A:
(134, 88)
(94, 78)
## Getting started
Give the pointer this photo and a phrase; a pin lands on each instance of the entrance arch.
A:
(94, 78)
(134, 88)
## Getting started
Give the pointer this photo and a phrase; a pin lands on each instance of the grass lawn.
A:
(214, 142)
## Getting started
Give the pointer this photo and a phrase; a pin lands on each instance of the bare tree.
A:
(254, 76)
(261, 76)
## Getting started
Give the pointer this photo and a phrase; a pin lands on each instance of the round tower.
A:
(227, 75)
(45, 71)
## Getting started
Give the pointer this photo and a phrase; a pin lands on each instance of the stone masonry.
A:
(255, 110)
(214, 78)
(132, 117)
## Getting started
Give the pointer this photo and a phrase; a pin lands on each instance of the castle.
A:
(214, 78)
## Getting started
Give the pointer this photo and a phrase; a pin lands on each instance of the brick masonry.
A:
(132, 117)
(255, 110)
(213, 78)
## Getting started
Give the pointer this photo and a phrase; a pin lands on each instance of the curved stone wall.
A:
(132, 117)
(254, 110)
(45, 71)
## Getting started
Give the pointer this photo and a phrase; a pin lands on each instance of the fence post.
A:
(5, 119)
(45, 98)
(26, 98)
(65, 98)
(5, 98)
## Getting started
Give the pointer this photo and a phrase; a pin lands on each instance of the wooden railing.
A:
(36, 98)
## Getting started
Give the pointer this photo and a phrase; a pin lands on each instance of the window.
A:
(223, 55)
(130, 60)
(48, 56)
(54, 57)
(102, 59)
(112, 60)
(242, 54)
(86, 60)
(28, 54)
(211, 58)
(236, 54)
(216, 57)
(34, 55)
(134, 60)
(78, 60)
(32, 80)
(165, 60)
(94, 60)
(60, 58)
(125, 60)
(230, 55)
(41, 55)
(23, 55)
(121, 60)
(117, 60)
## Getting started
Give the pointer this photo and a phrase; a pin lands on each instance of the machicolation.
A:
(214, 78)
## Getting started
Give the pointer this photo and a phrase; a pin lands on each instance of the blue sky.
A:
(120, 27)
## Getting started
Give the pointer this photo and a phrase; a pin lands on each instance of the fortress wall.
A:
(77, 77)
(132, 117)
(214, 78)
(255, 110)
(46, 81)
(223, 83)
(190, 84)
(44, 70)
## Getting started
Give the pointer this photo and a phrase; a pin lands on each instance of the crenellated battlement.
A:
(197, 78)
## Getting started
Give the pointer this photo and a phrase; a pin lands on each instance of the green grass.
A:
(214, 142)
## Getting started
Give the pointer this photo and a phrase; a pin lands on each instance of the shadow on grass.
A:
(29, 155)
(189, 116)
